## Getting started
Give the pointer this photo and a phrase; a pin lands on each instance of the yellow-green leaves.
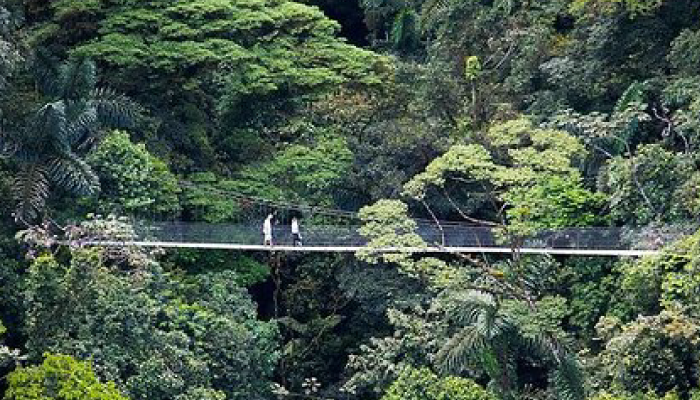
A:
(472, 161)
(393, 238)
(527, 145)
(514, 153)
(59, 377)
(529, 170)
(388, 226)
(472, 67)
(423, 384)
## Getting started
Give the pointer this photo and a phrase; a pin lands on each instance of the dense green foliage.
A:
(132, 180)
(59, 377)
(521, 116)
(71, 113)
(180, 337)
(422, 384)
(238, 62)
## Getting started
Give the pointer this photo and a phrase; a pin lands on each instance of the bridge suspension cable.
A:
(331, 212)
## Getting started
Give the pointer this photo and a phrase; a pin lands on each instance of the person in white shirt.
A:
(267, 230)
(296, 234)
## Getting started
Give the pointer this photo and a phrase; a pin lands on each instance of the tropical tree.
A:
(514, 174)
(219, 75)
(423, 384)
(65, 126)
(486, 317)
(655, 353)
(154, 335)
(494, 333)
(132, 179)
(59, 377)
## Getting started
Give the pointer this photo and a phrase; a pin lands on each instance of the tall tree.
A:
(214, 71)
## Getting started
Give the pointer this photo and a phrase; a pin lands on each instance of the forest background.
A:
(518, 114)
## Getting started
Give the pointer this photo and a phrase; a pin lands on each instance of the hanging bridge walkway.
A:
(343, 235)
(447, 237)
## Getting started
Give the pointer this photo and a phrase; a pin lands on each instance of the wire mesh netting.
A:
(447, 235)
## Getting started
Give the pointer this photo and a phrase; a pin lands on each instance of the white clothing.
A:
(295, 226)
(267, 227)
(267, 230)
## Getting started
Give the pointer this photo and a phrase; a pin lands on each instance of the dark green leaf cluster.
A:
(154, 337)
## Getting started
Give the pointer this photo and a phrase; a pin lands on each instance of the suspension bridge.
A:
(438, 238)
(338, 231)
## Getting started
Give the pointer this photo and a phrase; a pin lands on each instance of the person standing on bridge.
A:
(296, 234)
(267, 230)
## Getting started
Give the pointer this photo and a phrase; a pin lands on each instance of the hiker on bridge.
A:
(267, 231)
(296, 234)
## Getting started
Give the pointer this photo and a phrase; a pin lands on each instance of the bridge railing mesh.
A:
(452, 235)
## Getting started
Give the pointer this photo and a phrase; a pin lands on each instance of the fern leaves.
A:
(113, 109)
(76, 79)
(461, 349)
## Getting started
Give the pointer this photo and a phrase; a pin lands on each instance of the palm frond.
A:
(31, 191)
(73, 174)
(485, 327)
(46, 73)
(536, 347)
(432, 11)
(83, 127)
(48, 128)
(502, 369)
(473, 303)
(568, 379)
(114, 109)
(77, 78)
(75, 117)
(8, 147)
(459, 351)
(405, 31)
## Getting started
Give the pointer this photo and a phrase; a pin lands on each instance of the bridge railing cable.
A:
(279, 205)
(348, 236)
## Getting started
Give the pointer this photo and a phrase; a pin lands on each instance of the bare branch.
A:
(464, 215)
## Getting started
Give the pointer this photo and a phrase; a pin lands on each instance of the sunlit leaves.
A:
(520, 166)
(387, 226)
(423, 384)
(59, 377)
